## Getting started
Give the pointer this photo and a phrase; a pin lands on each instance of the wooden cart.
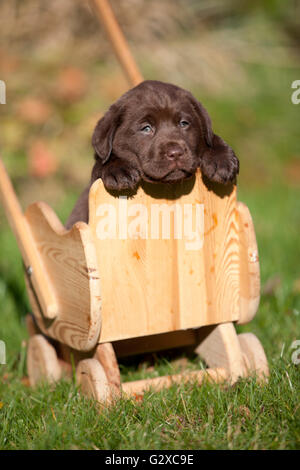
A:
(97, 296)
(101, 295)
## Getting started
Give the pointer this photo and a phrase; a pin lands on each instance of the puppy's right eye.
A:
(146, 129)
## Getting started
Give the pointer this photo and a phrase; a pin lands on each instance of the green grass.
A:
(244, 416)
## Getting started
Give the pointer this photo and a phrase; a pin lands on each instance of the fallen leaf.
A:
(138, 397)
(6, 376)
(8, 63)
(25, 381)
(42, 162)
(34, 110)
(71, 84)
(244, 410)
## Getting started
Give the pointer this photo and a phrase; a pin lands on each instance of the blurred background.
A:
(239, 58)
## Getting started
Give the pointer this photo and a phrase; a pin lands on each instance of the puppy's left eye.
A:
(184, 123)
(147, 129)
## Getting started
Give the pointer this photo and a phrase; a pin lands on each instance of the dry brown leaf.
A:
(71, 84)
(138, 397)
(8, 63)
(34, 110)
(25, 381)
(244, 411)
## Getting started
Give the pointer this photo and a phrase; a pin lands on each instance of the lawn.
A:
(260, 122)
(245, 416)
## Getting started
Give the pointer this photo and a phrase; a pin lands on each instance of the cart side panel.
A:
(70, 261)
(152, 286)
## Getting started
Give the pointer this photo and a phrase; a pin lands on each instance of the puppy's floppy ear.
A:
(104, 132)
(205, 121)
(218, 162)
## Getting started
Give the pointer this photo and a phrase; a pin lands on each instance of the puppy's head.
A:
(158, 129)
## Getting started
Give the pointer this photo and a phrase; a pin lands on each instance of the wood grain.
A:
(42, 362)
(71, 263)
(139, 387)
(219, 347)
(92, 380)
(254, 356)
(249, 266)
(105, 354)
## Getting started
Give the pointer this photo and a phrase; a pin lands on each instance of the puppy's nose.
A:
(173, 152)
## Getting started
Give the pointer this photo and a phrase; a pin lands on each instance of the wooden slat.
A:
(249, 266)
(219, 346)
(139, 387)
(221, 253)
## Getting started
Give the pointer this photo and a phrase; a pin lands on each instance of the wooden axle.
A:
(139, 387)
(228, 356)
(93, 381)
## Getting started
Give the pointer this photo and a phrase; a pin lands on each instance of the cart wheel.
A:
(105, 354)
(254, 355)
(42, 362)
(92, 380)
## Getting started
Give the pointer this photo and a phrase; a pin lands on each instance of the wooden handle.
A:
(106, 16)
(33, 263)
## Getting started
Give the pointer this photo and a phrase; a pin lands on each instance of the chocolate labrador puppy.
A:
(156, 132)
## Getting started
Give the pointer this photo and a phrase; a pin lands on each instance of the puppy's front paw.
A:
(117, 176)
(219, 163)
(222, 169)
